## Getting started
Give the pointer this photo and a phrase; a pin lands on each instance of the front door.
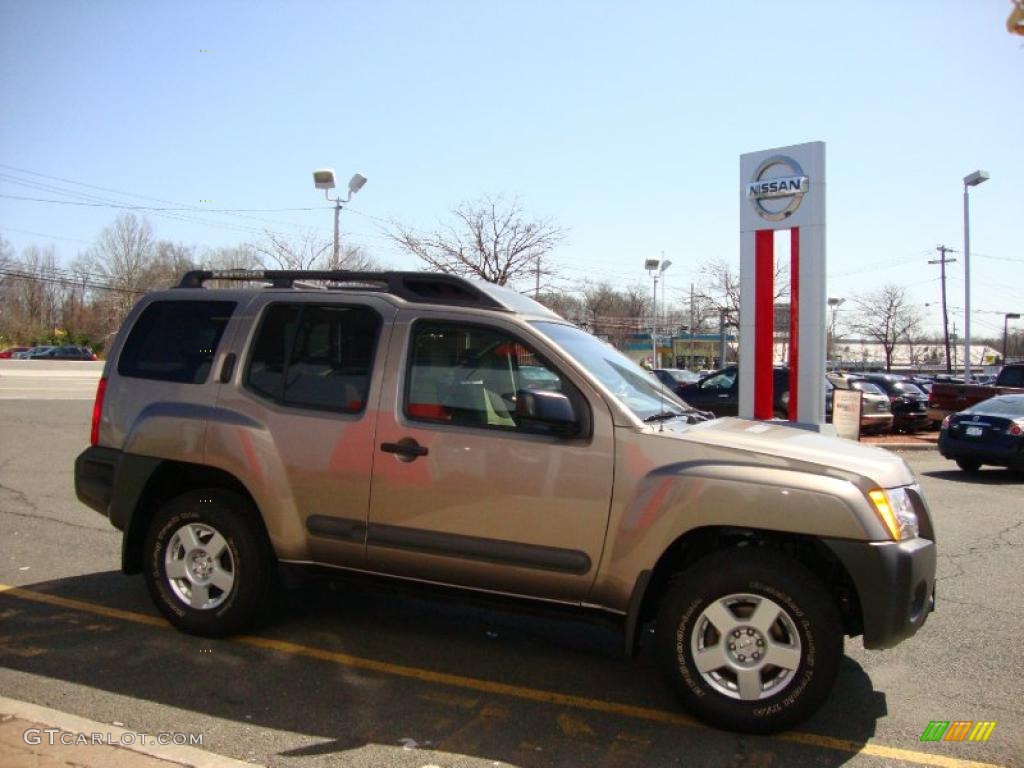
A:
(467, 492)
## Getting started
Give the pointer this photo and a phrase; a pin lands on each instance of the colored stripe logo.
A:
(958, 730)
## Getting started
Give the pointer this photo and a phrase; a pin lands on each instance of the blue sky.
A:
(623, 122)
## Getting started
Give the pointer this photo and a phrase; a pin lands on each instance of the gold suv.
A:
(431, 428)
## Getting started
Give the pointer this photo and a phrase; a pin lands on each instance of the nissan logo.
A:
(774, 195)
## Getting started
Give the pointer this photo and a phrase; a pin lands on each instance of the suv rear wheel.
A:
(207, 564)
(750, 640)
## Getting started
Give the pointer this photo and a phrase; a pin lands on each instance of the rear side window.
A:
(175, 341)
(312, 356)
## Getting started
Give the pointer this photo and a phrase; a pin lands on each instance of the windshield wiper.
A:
(663, 416)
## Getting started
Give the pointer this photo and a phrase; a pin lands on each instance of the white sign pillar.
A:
(783, 188)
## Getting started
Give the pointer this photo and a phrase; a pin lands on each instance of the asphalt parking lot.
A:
(356, 674)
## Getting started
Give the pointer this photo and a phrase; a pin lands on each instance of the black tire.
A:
(972, 466)
(807, 632)
(231, 584)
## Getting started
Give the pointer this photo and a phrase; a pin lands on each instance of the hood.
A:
(776, 442)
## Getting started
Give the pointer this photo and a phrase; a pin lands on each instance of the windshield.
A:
(867, 386)
(1011, 406)
(632, 385)
(907, 387)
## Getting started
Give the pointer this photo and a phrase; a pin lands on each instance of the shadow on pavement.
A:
(332, 705)
(984, 476)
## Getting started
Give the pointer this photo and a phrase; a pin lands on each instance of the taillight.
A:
(1015, 430)
(97, 411)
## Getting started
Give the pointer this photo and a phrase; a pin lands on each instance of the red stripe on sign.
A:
(764, 321)
(794, 319)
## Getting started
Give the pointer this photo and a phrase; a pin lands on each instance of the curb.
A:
(127, 739)
(905, 446)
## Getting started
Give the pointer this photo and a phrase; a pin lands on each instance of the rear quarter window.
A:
(175, 341)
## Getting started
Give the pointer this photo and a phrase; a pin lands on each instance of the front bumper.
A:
(896, 585)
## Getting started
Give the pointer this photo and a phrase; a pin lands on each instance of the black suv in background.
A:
(909, 402)
(719, 393)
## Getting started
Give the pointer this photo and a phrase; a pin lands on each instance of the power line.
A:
(16, 275)
(127, 194)
(159, 208)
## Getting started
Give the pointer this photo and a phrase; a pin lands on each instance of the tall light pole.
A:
(1006, 318)
(651, 265)
(324, 179)
(970, 180)
(665, 264)
(833, 304)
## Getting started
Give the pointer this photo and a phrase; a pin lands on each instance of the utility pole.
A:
(536, 290)
(943, 250)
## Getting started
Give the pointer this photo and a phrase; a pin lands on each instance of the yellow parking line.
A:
(504, 689)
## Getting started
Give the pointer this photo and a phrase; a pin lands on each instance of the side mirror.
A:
(552, 410)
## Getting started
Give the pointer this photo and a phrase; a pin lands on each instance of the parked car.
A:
(719, 393)
(65, 352)
(383, 426)
(676, 379)
(908, 401)
(946, 398)
(29, 353)
(989, 432)
(10, 352)
(876, 411)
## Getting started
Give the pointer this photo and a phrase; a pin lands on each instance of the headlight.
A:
(896, 511)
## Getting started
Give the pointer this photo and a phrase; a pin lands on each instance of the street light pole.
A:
(834, 305)
(1006, 318)
(970, 180)
(324, 179)
(651, 265)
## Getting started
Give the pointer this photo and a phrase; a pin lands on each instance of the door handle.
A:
(406, 448)
(723, 397)
(228, 368)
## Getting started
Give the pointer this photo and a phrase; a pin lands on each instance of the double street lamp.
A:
(324, 179)
(970, 180)
(656, 268)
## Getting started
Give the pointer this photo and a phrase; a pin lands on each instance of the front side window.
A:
(175, 341)
(471, 375)
(312, 356)
(722, 381)
(627, 381)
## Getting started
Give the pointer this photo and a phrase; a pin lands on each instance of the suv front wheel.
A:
(750, 640)
(207, 565)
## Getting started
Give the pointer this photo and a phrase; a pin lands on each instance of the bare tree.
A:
(886, 316)
(562, 303)
(490, 239)
(305, 251)
(721, 286)
(124, 253)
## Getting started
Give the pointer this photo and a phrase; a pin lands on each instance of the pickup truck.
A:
(953, 398)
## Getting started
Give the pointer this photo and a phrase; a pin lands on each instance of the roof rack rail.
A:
(416, 287)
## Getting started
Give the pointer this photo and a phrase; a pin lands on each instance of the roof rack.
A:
(416, 287)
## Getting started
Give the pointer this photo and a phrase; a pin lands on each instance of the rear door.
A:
(465, 491)
(299, 419)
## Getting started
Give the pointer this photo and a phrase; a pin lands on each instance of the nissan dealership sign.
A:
(778, 187)
(783, 189)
